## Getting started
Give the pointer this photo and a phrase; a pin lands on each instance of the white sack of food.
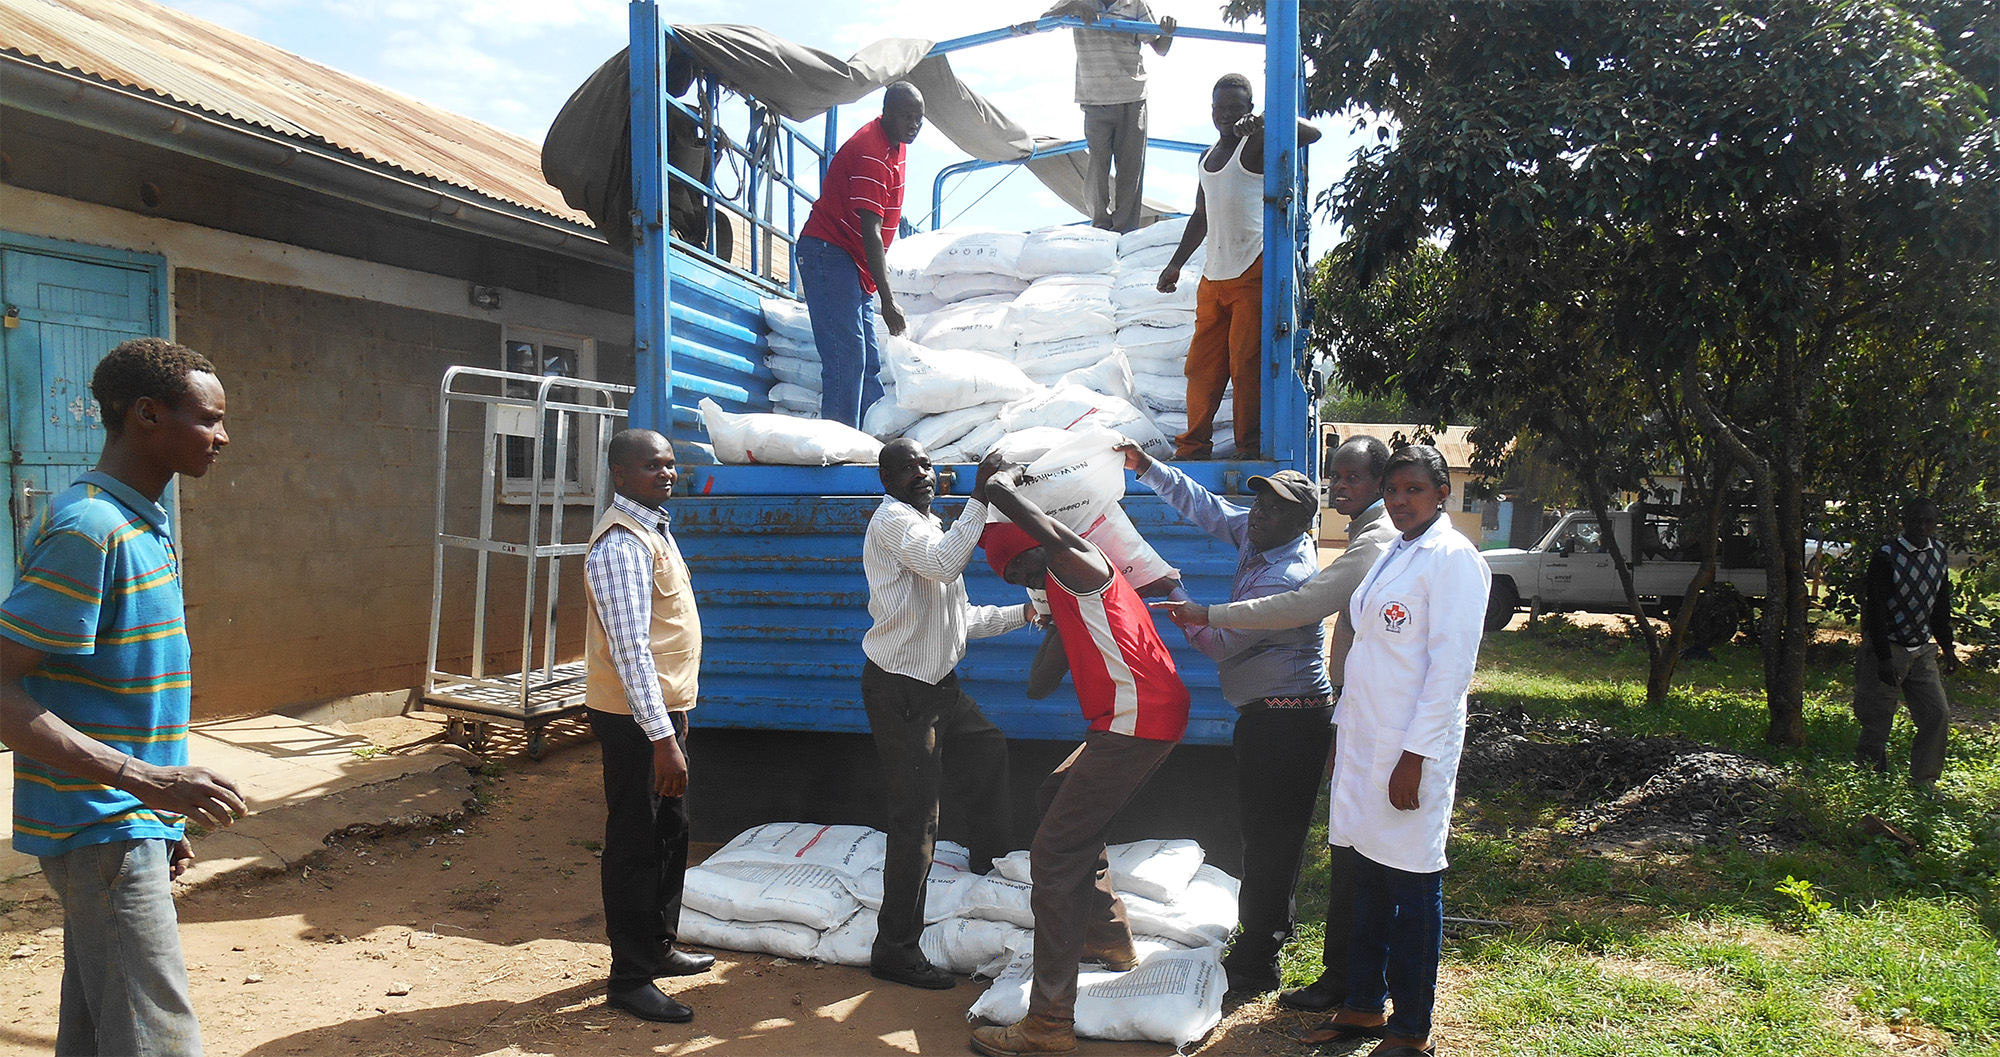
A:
(794, 370)
(848, 850)
(1161, 233)
(1172, 996)
(1138, 297)
(956, 945)
(1111, 376)
(780, 440)
(997, 898)
(974, 445)
(1156, 869)
(1059, 307)
(1068, 407)
(939, 380)
(1167, 393)
(780, 345)
(1153, 260)
(788, 317)
(964, 286)
(1067, 249)
(1167, 358)
(1096, 346)
(1130, 553)
(1026, 445)
(910, 257)
(936, 432)
(809, 894)
(782, 939)
(983, 326)
(975, 250)
(916, 304)
(1156, 330)
(885, 419)
(1204, 914)
(949, 860)
(797, 396)
(1074, 481)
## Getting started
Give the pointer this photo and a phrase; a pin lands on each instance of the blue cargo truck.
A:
(775, 551)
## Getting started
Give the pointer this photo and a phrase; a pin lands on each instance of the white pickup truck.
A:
(1570, 569)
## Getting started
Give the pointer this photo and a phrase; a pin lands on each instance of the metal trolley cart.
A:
(541, 441)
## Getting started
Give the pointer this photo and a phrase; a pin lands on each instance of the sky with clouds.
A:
(512, 64)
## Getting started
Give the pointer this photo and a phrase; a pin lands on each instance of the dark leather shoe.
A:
(648, 1002)
(686, 963)
(1251, 975)
(920, 974)
(1319, 996)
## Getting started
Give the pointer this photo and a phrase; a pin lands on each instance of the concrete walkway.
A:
(302, 781)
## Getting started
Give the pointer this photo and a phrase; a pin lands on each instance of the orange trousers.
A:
(1228, 345)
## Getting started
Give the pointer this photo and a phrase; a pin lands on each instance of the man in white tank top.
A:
(1229, 306)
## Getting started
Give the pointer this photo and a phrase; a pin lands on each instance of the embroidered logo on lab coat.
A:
(1394, 616)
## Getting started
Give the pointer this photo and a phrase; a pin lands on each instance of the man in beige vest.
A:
(642, 643)
(1354, 474)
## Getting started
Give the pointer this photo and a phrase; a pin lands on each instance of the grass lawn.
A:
(1845, 943)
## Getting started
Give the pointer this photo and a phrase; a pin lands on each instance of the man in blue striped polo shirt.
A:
(94, 698)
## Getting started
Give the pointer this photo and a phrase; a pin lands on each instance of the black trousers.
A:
(1280, 766)
(645, 851)
(932, 739)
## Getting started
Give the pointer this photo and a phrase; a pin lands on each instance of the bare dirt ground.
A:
(484, 936)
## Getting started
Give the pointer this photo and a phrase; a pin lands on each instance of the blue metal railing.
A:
(1073, 146)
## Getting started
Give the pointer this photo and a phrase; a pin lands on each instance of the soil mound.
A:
(1622, 790)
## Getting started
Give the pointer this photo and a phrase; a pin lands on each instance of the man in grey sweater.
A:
(1355, 484)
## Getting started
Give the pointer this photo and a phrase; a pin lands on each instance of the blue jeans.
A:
(843, 319)
(1398, 938)
(125, 985)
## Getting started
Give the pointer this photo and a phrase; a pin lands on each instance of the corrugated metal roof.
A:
(168, 53)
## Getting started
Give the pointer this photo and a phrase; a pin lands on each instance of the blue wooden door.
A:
(65, 307)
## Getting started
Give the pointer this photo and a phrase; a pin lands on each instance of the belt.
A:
(1307, 702)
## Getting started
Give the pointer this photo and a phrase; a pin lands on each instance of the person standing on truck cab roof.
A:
(916, 711)
(1904, 607)
(843, 253)
(94, 701)
(1137, 709)
(1355, 485)
(1229, 308)
(1111, 89)
(642, 653)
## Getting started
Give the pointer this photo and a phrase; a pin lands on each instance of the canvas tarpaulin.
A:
(587, 154)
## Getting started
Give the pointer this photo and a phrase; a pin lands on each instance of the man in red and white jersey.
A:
(1137, 709)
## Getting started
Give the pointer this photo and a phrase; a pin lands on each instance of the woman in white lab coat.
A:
(1417, 623)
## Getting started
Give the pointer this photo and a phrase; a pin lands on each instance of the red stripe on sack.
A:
(801, 853)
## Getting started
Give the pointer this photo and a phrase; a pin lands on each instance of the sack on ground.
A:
(1067, 248)
(849, 850)
(949, 861)
(999, 898)
(783, 441)
(783, 939)
(809, 894)
(1204, 915)
(1172, 996)
(939, 380)
(956, 945)
(1155, 869)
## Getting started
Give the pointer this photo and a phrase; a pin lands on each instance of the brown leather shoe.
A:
(1118, 959)
(1032, 1034)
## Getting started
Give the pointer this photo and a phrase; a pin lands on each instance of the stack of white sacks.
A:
(1008, 331)
(807, 891)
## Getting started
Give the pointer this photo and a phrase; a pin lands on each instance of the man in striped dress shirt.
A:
(916, 710)
(94, 700)
(1906, 604)
(642, 654)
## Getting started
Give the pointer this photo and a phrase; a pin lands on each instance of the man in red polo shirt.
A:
(842, 253)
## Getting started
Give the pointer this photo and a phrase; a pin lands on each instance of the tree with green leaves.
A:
(1732, 193)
